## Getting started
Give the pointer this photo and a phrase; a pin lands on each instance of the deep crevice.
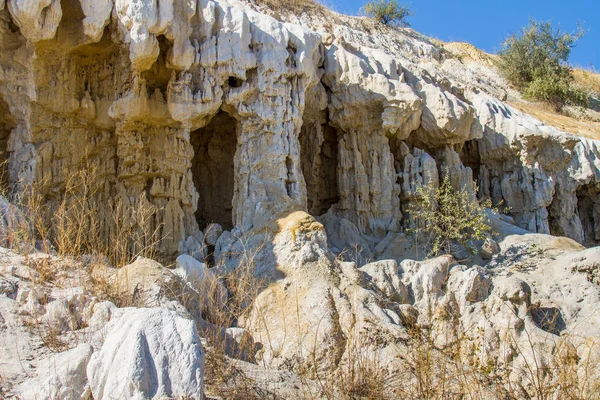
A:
(470, 157)
(213, 170)
(319, 163)
(159, 75)
(588, 207)
(235, 82)
(7, 124)
(548, 319)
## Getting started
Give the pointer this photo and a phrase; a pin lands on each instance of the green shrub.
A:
(388, 12)
(445, 217)
(558, 92)
(536, 62)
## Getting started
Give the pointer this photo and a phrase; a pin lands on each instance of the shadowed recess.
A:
(7, 124)
(213, 170)
(319, 161)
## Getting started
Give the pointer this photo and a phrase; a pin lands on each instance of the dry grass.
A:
(466, 52)
(440, 360)
(458, 369)
(585, 124)
(287, 7)
(462, 369)
(79, 222)
(586, 78)
(230, 295)
(581, 127)
(73, 224)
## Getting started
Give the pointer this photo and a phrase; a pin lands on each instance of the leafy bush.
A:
(536, 63)
(558, 92)
(388, 12)
(445, 217)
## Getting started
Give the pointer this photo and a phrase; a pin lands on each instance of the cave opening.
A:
(158, 77)
(319, 155)
(7, 124)
(399, 151)
(554, 214)
(470, 157)
(213, 170)
(588, 207)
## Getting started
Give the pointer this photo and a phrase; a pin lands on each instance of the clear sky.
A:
(486, 23)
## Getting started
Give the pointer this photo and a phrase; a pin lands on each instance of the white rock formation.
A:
(305, 141)
(342, 116)
(150, 354)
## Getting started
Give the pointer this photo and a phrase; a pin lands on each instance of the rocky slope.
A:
(305, 141)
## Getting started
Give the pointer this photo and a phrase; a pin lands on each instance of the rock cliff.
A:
(304, 139)
(210, 109)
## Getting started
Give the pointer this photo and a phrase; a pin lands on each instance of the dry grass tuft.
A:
(242, 287)
(466, 52)
(578, 126)
(68, 227)
(296, 7)
(78, 222)
(588, 79)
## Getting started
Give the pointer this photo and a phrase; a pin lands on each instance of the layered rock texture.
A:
(208, 110)
(303, 144)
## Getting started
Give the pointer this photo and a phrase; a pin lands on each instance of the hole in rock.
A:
(470, 157)
(159, 75)
(588, 206)
(399, 151)
(235, 82)
(7, 124)
(71, 23)
(548, 319)
(213, 170)
(319, 163)
(10, 34)
(554, 214)
(290, 183)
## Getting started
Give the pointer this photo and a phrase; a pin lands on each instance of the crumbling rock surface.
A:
(298, 147)
(209, 109)
(148, 353)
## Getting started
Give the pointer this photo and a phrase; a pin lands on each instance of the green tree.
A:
(388, 12)
(536, 63)
(445, 217)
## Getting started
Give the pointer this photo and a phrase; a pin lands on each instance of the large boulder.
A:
(146, 283)
(149, 353)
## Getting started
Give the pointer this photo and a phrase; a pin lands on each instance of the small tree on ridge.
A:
(536, 63)
(388, 12)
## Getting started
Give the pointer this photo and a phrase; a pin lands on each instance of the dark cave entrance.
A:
(213, 170)
(554, 214)
(7, 124)
(588, 207)
(399, 150)
(319, 162)
(470, 157)
(158, 77)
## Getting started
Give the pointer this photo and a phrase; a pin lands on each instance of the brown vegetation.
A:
(296, 7)
(587, 78)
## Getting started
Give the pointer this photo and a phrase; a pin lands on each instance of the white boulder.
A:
(212, 234)
(149, 353)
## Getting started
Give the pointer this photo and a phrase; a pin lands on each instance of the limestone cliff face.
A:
(215, 112)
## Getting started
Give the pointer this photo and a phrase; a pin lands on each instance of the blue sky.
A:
(486, 24)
